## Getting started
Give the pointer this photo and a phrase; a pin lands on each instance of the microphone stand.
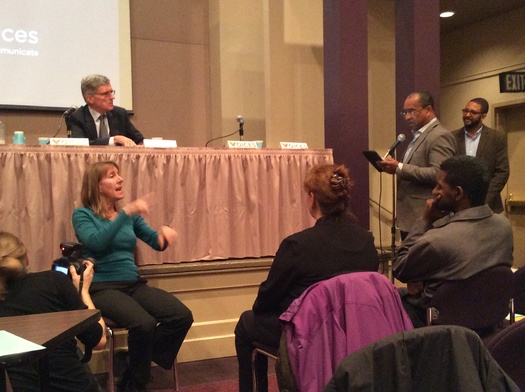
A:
(241, 131)
(393, 228)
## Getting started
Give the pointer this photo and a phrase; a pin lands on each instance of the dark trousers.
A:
(156, 321)
(418, 315)
(265, 329)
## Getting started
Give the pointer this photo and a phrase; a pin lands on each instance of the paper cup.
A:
(19, 138)
(43, 140)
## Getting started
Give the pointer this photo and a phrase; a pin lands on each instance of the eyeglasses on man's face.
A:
(106, 93)
(410, 112)
(473, 112)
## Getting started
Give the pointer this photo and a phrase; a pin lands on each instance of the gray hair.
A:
(90, 84)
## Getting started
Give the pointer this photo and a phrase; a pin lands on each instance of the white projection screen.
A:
(47, 46)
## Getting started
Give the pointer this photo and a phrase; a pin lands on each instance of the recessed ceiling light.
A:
(446, 14)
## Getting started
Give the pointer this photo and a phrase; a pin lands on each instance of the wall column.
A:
(346, 93)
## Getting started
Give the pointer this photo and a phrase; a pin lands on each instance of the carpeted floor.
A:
(213, 375)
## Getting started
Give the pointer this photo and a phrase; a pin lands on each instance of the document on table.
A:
(12, 344)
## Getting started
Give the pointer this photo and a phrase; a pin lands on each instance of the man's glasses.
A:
(410, 112)
(473, 112)
(107, 93)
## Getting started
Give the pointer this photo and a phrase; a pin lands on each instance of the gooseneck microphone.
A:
(70, 111)
(240, 131)
(400, 139)
(240, 120)
(65, 116)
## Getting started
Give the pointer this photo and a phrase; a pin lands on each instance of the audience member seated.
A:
(99, 120)
(456, 237)
(23, 293)
(156, 320)
(335, 245)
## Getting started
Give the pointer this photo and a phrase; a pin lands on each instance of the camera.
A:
(71, 255)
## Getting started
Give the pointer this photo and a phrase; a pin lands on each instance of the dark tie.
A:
(103, 128)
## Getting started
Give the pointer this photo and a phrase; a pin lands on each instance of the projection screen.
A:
(46, 47)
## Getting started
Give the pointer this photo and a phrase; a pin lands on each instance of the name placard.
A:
(512, 82)
(242, 144)
(69, 141)
(294, 145)
(159, 143)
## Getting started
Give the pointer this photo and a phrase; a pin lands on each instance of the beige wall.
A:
(473, 57)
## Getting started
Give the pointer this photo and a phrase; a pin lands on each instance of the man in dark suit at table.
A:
(99, 120)
(418, 170)
(478, 140)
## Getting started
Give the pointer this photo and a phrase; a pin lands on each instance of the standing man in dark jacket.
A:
(478, 140)
(99, 120)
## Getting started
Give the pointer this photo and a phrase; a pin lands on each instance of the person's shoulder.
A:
(83, 210)
(458, 132)
(80, 112)
(120, 111)
(493, 132)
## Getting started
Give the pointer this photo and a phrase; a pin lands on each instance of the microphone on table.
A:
(240, 131)
(68, 113)
(65, 116)
(240, 120)
(400, 139)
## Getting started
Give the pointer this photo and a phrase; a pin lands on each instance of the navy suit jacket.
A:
(83, 125)
(493, 149)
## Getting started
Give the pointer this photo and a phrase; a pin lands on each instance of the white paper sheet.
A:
(12, 344)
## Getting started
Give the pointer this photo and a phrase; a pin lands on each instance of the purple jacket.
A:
(336, 317)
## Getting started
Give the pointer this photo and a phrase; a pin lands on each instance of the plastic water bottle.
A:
(2, 133)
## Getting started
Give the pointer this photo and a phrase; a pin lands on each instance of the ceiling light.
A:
(446, 14)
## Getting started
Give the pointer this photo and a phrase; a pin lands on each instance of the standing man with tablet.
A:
(417, 172)
(99, 120)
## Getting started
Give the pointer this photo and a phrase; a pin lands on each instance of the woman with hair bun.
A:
(334, 245)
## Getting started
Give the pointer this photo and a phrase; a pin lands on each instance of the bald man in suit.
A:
(478, 140)
(418, 170)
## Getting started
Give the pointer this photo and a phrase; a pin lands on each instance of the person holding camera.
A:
(157, 321)
(23, 293)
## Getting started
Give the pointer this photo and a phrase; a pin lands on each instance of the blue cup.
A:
(19, 138)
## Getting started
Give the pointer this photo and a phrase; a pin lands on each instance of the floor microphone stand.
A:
(393, 227)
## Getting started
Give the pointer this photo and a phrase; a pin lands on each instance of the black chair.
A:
(519, 291)
(261, 349)
(111, 328)
(480, 302)
(508, 348)
(436, 358)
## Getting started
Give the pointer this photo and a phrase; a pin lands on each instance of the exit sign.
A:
(512, 82)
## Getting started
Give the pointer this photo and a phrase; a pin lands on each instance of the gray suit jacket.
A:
(453, 248)
(418, 177)
(493, 149)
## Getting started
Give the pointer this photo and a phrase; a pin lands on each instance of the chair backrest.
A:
(519, 290)
(436, 358)
(508, 348)
(479, 302)
(336, 317)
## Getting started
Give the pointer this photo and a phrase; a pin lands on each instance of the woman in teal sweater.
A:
(157, 322)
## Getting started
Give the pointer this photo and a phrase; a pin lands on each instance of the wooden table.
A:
(46, 329)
